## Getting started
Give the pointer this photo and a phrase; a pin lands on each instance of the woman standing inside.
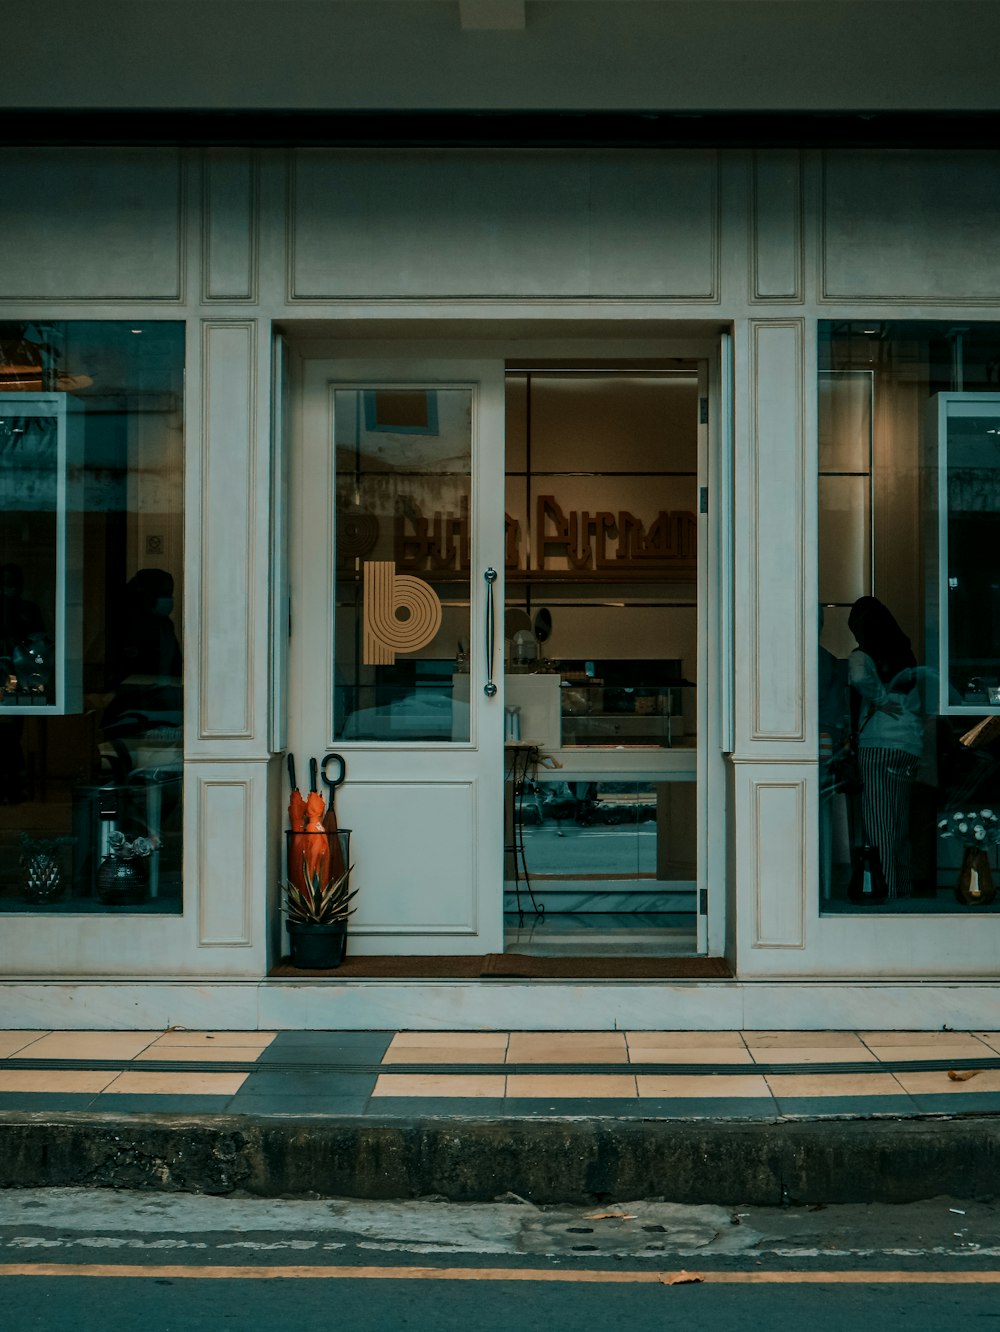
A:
(889, 730)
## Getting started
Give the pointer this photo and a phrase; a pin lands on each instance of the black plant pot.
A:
(122, 882)
(317, 947)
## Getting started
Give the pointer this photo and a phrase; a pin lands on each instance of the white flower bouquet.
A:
(978, 828)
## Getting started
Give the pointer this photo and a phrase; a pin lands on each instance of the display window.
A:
(909, 624)
(91, 616)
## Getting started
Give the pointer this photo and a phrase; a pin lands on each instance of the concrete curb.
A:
(544, 1160)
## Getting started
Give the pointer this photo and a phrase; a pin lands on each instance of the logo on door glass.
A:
(402, 613)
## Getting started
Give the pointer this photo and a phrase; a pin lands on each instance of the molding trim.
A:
(217, 837)
(228, 536)
(771, 888)
(471, 926)
(712, 297)
(768, 205)
(773, 760)
(976, 299)
(777, 432)
(175, 298)
(214, 201)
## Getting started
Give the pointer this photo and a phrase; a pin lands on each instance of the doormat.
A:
(515, 966)
(606, 968)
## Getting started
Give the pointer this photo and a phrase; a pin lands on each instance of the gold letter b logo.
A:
(402, 613)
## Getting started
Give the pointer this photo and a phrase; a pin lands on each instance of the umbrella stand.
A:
(316, 851)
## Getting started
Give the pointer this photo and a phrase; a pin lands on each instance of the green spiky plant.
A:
(319, 903)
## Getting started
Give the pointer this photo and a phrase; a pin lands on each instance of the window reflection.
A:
(909, 666)
(606, 859)
(91, 621)
(404, 549)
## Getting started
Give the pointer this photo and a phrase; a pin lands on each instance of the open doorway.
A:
(604, 465)
(558, 513)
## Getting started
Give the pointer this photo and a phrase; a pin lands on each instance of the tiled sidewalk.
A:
(645, 1075)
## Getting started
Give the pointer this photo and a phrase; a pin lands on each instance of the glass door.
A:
(397, 521)
(607, 552)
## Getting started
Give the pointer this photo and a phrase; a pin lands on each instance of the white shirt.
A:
(880, 730)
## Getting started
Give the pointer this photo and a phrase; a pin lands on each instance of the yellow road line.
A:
(258, 1273)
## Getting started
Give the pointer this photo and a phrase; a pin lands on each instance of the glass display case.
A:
(40, 555)
(624, 703)
(962, 536)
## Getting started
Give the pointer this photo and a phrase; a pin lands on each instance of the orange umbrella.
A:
(317, 844)
(297, 823)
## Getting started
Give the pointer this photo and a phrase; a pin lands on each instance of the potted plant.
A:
(317, 915)
(977, 830)
(123, 874)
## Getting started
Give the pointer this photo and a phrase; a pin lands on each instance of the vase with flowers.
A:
(123, 875)
(977, 830)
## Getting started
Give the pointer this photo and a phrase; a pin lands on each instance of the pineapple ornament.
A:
(43, 880)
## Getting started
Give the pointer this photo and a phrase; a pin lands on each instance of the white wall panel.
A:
(777, 860)
(229, 508)
(772, 518)
(901, 226)
(229, 225)
(224, 832)
(455, 223)
(776, 226)
(91, 224)
(437, 893)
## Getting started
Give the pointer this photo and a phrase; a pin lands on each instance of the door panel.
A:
(397, 513)
(426, 817)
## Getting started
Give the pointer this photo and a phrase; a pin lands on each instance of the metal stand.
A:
(521, 756)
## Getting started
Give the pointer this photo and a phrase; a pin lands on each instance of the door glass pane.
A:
(404, 546)
(601, 659)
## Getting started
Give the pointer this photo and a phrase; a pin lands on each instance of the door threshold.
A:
(513, 966)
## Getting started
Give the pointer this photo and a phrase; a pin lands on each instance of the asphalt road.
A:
(568, 849)
(434, 1306)
(120, 1262)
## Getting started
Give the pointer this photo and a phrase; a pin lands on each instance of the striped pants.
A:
(887, 775)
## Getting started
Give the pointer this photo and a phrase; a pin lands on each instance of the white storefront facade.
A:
(301, 283)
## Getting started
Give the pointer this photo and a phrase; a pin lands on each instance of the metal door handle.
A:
(489, 688)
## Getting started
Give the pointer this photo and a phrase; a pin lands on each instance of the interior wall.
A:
(899, 460)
